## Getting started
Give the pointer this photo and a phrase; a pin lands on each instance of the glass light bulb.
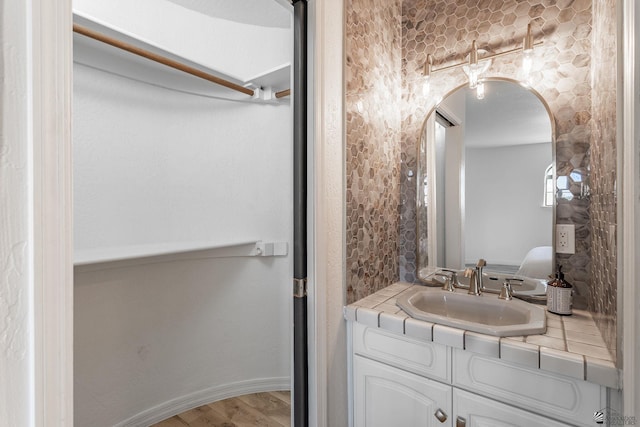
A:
(426, 86)
(473, 77)
(480, 90)
(527, 61)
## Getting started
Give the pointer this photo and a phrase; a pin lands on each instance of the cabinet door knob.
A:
(461, 422)
(440, 415)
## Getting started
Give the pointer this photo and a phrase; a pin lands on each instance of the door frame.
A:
(328, 397)
(48, 56)
(628, 232)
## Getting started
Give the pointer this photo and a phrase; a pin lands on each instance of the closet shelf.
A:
(116, 257)
(261, 87)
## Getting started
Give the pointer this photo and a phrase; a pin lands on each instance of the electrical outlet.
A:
(565, 239)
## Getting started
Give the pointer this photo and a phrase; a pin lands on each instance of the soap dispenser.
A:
(559, 295)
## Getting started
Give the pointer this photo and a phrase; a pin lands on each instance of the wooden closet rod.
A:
(283, 93)
(158, 58)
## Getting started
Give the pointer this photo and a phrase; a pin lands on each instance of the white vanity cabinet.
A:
(402, 381)
(472, 410)
(386, 396)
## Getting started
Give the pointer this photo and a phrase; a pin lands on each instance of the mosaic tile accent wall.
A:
(382, 141)
(373, 90)
(603, 297)
(561, 74)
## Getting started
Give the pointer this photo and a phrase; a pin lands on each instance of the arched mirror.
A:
(486, 183)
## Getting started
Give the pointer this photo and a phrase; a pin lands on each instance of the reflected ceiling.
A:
(494, 122)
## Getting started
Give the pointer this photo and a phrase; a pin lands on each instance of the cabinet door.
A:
(385, 396)
(472, 410)
(556, 396)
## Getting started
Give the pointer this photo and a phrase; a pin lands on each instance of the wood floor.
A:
(271, 409)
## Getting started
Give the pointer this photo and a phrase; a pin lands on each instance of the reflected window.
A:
(549, 191)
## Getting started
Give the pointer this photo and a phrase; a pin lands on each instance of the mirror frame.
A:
(420, 170)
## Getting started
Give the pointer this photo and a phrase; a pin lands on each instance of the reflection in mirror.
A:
(486, 183)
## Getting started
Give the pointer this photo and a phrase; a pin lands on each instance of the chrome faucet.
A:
(476, 285)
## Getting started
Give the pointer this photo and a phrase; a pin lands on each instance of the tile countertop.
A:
(571, 346)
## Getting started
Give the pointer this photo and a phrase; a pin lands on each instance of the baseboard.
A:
(192, 400)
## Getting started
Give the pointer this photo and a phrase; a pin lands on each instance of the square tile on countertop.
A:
(554, 320)
(554, 332)
(389, 291)
(371, 301)
(385, 307)
(453, 337)
(392, 322)
(544, 341)
(518, 338)
(562, 362)
(409, 290)
(349, 313)
(396, 288)
(586, 338)
(581, 327)
(589, 350)
(368, 316)
(520, 352)
(482, 344)
(602, 372)
(578, 316)
(418, 329)
(392, 300)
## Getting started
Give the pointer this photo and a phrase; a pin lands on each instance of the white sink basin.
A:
(485, 313)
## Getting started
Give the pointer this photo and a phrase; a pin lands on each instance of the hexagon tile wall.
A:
(562, 74)
(603, 296)
(373, 84)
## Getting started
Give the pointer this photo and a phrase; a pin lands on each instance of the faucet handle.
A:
(452, 273)
(451, 281)
(507, 292)
(481, 263)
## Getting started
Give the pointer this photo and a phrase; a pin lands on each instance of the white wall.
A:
(152, 166)
(504, 193)
(454, 171)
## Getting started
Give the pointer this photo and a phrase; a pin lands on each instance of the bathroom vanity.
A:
(409, 372)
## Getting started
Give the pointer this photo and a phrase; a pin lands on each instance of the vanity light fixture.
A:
(478, 61)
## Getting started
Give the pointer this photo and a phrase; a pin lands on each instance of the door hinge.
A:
(299, 288)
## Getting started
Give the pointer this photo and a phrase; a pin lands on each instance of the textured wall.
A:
(561, 74)
(373, 83)
(603, 297)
